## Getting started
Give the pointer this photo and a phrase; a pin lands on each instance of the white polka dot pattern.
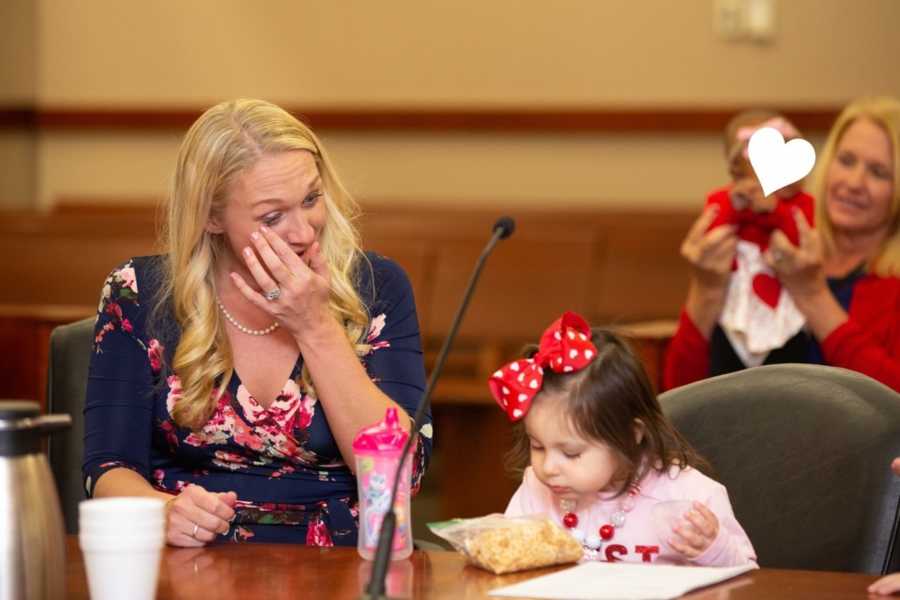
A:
(565, 348)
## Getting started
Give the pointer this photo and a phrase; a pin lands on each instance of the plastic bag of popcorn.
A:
(506, 544)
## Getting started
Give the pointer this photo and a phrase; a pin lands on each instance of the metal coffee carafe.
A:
(32, 536)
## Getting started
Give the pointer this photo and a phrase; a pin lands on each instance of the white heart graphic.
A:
(776, 163)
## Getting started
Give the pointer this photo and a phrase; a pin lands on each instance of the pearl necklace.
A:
(592, 542)
(243, 329)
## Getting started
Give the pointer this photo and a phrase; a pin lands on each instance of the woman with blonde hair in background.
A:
(843, 276)
(230, 375)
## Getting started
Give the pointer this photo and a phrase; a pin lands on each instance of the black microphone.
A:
(506, 226)
(503, 228)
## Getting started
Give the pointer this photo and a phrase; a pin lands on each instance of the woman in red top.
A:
(844, 276)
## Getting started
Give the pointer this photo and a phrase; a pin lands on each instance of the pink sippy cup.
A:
(377, 449)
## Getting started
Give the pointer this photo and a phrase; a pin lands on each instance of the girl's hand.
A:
(886, 585)
(710, 253)
(303, 284)
(195, 517)
(695, 532)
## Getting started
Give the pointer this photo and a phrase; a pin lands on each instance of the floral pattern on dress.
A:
(241, 534)
(274, 513)
(375, 328)
(317, 533)
(171, 434)
(159, 479)
(283, 452)
(220, 428)
(155, 354)
(313, 516)
(120, 286)
(276, 433)
(229, 460)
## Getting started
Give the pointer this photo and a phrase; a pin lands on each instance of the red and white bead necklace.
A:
(606, 531)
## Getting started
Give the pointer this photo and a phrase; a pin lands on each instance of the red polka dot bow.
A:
(565, 347)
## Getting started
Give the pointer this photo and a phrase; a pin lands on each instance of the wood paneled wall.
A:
(616, 268)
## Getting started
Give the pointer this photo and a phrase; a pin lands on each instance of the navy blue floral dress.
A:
(291, 480)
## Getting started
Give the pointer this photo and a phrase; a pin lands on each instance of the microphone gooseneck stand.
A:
(502, 229)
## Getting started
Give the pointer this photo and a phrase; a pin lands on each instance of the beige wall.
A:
(18, 44)
(435, 52)
(469, 53)
(18, 73)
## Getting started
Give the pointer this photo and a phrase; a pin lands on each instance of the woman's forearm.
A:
(350, 399)
(822, 311)
(704, 305)
(125, 482)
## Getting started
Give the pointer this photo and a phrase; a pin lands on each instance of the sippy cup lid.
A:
(384, 436)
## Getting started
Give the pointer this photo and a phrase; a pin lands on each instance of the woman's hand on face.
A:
(799, 268)
(695, 532)
(304, 284)
(195, 516)
(710, 253)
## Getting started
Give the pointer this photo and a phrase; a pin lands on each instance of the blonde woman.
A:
(230, 375)
(844, 275)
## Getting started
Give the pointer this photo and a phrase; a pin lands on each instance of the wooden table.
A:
(286, 571)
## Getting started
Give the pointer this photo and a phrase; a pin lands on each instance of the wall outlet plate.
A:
(728, 16)
(744, 20)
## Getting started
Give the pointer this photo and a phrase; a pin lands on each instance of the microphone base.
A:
(368, 596)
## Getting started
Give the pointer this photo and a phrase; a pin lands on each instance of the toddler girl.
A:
(604, 459)
(758, 316)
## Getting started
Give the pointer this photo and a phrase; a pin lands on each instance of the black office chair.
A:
(67, 371)
(805, 453)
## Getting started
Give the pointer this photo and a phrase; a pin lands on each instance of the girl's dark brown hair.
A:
(603, 400)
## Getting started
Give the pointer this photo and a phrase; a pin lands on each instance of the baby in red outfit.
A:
(759, 316)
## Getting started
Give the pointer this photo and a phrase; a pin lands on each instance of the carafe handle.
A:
(50, 423)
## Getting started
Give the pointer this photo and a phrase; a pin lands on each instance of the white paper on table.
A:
(615, 581)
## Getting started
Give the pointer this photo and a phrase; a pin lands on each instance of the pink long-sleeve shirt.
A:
(637, 540)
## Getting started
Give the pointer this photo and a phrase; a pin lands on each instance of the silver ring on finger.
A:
(194, 532)
(273, 295)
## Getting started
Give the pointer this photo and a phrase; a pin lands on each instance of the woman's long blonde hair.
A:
(225, 141)
(884, 112)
